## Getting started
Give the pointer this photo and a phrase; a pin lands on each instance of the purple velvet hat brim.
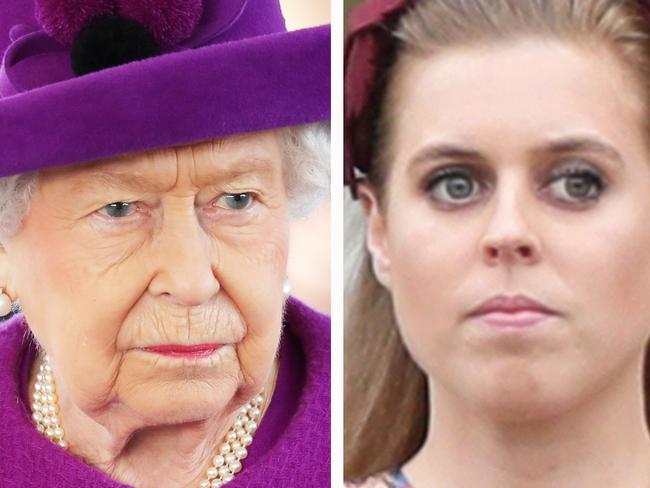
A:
(259, 83)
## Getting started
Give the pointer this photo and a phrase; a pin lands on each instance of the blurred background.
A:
(299, 13)
(309, 254)
(347, 6)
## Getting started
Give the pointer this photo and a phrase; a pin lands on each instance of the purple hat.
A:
(87, 79)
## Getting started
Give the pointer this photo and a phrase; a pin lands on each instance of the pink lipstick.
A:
(512, 311)
(182, 351)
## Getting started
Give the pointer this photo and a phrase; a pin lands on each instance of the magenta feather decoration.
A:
(63, 19)
(170, 21)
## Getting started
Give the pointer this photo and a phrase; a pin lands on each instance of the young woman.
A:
(497, 332)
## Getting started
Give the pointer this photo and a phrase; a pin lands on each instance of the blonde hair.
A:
(386, 410)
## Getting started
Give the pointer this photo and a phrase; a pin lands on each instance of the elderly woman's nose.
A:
(184, 259)
(509, 233)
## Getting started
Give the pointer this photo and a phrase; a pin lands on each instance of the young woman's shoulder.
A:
(387, 479)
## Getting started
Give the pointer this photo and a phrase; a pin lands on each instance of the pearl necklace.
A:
(224, 465)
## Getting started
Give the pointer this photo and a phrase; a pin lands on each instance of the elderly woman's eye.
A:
(118, 209)
(234, 201)
(576, 185)
(452, 185)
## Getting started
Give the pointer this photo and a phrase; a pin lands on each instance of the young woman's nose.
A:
(185, 262)
(509, 236)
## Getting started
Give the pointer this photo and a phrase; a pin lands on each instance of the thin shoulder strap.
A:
(399, 480)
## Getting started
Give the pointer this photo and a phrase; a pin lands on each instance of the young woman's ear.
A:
(376, 239)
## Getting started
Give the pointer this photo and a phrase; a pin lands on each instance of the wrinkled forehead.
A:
(256, 155)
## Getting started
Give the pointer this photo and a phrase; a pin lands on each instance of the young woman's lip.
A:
(180, 350)
(523, 318)
(511, 305)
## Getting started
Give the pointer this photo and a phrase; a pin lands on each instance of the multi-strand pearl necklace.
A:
(233, 448)
(225, 465)
(45, 406)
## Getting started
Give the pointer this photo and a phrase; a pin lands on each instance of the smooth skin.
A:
(184, 260)
(559, 404)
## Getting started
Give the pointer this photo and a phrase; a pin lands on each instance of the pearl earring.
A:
(286, 288)
(5, 303)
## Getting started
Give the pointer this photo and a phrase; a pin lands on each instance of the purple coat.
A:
(291, 447)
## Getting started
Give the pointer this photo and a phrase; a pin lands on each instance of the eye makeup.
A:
(461, 184)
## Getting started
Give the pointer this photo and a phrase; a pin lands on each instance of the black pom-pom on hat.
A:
(111, 40)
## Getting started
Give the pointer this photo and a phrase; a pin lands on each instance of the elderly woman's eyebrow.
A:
(254, 167)
(118, 180)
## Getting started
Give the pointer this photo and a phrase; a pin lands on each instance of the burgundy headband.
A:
(369, 43)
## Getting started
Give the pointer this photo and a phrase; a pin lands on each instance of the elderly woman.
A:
(152, 156)
(500, 324)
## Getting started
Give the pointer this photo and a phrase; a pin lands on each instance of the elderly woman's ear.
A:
(7, 292)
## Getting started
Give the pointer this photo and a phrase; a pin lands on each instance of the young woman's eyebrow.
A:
(566, 145)
(434, 152)
(562, 145)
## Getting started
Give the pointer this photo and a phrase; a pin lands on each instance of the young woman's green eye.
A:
(576, 185)
(451, 186)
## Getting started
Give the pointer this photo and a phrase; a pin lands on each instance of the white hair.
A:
(15, 197)
(307, 149)
(307, 161)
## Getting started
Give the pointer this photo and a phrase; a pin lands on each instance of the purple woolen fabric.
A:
(291, 448)
(253, 86)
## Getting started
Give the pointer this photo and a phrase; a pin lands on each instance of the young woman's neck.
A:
(599, 444)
